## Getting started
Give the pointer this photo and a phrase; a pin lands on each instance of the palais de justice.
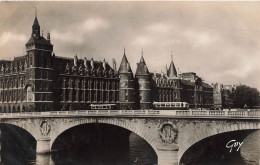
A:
(42, 81)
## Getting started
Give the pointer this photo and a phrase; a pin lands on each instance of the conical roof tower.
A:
(124, 66)
(127, 98)
(172, 70)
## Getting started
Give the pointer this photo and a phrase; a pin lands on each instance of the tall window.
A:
(31, 61)
(30, 93)
(40, 74)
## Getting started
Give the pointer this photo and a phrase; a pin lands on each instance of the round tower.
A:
(143, 77)
(126, 85)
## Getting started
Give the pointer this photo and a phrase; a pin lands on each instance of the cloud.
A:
(200, 38)
(143, 40)
(76, 33)
(217, 40)
(9, 37)
(159, 28)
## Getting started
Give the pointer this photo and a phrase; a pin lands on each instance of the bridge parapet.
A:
(152, 113)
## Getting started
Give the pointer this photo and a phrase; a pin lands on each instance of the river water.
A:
(15, 150)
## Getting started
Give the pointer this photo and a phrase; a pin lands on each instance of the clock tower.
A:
(39, 70)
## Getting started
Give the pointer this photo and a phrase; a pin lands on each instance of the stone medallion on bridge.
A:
(168, 132)
(45, 128)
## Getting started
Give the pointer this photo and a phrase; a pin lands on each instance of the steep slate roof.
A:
(187, 82)
(172, 70)
(40, 40)
(61, 63)
(206, 85)
(36, 22)
(124, 66)
(142, 68)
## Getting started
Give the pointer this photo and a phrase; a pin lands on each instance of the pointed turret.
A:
(36, 26)
(126, 86)
(143, 77)
(172, 70)
(124, 66)
(142, 68)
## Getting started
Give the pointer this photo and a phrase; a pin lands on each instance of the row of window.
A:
(12, 82)
(9, 109)
(165, 82)
(168, 98)
(90, 84)
(89, 96)
(13, 95)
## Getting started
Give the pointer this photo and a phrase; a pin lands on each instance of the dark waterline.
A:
(98, 145)
(18, 149)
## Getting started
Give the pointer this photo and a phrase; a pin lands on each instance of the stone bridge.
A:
(169, 133)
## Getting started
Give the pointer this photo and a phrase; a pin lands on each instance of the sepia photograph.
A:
(129, 83)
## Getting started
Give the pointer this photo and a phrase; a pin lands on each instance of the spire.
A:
(36, 26)
(35, 11)
(142, 58)
(172, 70)
(124, 66)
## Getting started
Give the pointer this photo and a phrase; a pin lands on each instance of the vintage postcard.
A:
(129, 83)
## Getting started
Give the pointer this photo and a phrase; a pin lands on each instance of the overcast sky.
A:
(220, 41)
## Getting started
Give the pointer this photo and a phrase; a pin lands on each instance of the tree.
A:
(245, 95)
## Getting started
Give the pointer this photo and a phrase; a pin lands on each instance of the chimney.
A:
(85, 61)
(75, 60)
(104, 64)
(92, 63)
(114, 64)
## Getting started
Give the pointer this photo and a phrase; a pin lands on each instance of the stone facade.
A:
(42, 81)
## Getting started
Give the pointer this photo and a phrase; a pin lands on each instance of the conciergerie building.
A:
(42, 81)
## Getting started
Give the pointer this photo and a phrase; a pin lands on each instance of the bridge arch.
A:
(119, 123)
(19, 125)
(187, 144)
(21, 128)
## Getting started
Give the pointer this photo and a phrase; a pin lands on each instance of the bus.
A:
(171, 105)
(102, 106)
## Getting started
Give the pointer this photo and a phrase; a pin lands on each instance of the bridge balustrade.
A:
(183, 113)
(115, 112)
(127, 112)
(153, 112)
(140, 112)
(216, 113)
(254, 113)
(178, 113)
(237, 113)
(200, 113)
(103, 112)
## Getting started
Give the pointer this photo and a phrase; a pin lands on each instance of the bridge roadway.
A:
(171, 133)
(142, 113)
